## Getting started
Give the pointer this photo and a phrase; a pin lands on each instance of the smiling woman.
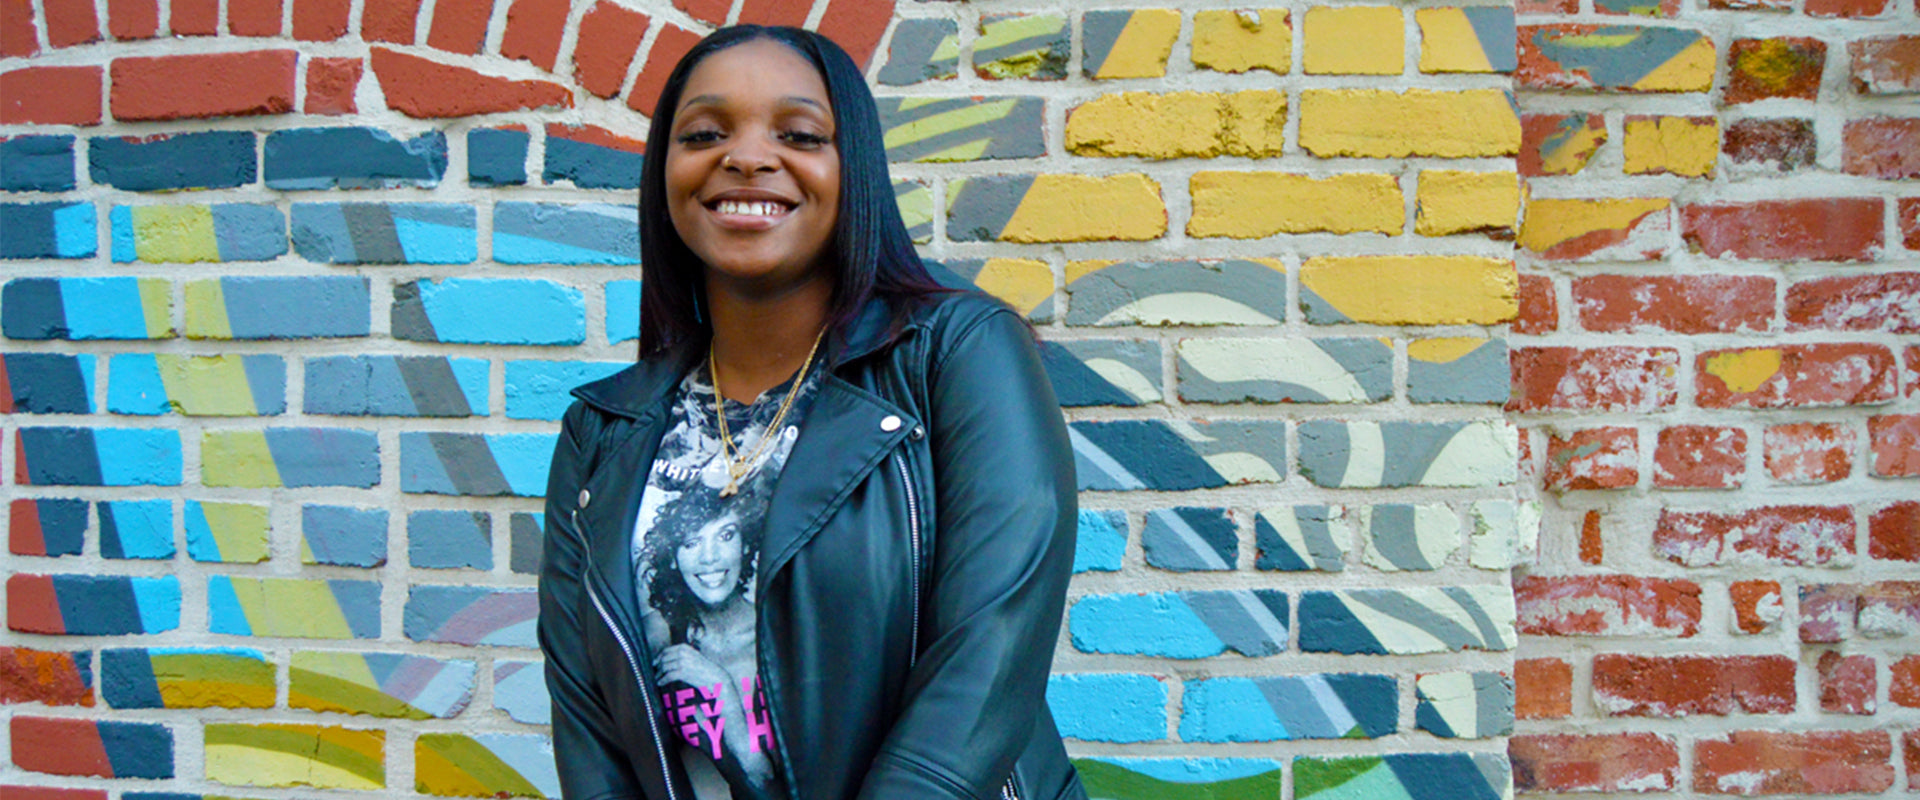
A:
(815, 543)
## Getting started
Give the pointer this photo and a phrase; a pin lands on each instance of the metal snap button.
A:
(918, 433)
(585, 497)
(890, 424)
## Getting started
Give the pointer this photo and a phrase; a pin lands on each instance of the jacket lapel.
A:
(841, 440)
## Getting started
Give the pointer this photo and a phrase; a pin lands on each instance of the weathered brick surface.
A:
(1553, 763)
(1610, 605)
(1700, 457)
(1770, 762)
(1653, 686)
(1772, 534)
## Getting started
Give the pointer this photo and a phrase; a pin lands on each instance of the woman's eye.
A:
(806, 139)
(698, 137)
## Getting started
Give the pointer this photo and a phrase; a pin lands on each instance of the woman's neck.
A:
(759, 341)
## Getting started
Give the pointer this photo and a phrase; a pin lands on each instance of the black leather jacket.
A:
(911, 582)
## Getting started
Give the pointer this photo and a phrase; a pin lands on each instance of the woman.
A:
(895, 444)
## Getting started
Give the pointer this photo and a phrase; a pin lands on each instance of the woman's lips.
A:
(712, 580)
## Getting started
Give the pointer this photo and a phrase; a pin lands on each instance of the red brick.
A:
(1847, 683)
(1757, 605)
(596, 135)
(669, 45)
(1883, 147)
(1910, 743)
(193, 17)
(1785, 144)
(1810, 452)
(1607, 605)
(1909, 220)
(425, 89)
(709, 11)
(390, 21)
(71, 22)
(19, 30)
(1889, 609)
(1542, 132)
(856, 25)
(1593, 546)
(1677, 303)
(534, 28)
(1787, 66)
(253, 17)
(1836, 229)
(1595, 458)
(1620, 762)
(1887, 301)
(1885, 64)
(1679, 686)
(774, 12)
(1798, 535)
(609, 35)
(133, 19)
(320, 20)
(331, 83)
(1539, 310)
(59, 747)
(35, 676)
(1529, 469)
(1893, 533)
(1821, 762)
(1700, 457)
(1542, 688)
(50, 96)
(1827, 612)
(199, 86)
(50, 793)
(1896, 445)
(1601, 378)
(1911, 356)
(1847, 8)
(459, 26)
(1795, 375)
(1904, 689)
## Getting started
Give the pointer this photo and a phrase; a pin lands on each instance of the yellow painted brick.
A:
(1242, 41)
(1376, 123)
(1022, 282)
(1353, 40)
(1083, 208)
(1414, 290)
(1180, 125)
(1454, 201)
(1252, 205)
(1572, 228)
(1143, 46)
(1686, 146)
(1448, 42)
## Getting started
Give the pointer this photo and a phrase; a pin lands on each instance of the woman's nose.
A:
(748, 158)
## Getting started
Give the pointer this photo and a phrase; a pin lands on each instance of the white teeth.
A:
(750, 209)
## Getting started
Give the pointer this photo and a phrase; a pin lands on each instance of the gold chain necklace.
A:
(737, 469)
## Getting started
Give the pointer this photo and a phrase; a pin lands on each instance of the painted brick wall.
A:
(1715, 370)
(294, 292)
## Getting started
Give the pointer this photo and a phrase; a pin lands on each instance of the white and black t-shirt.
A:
(694, 555)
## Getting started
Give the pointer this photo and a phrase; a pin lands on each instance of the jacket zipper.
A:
(653, 722)
(1011, 791)
(913, 527)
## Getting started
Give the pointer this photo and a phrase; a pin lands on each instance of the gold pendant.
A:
(729, 490)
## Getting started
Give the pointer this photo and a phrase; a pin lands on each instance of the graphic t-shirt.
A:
(696, 550)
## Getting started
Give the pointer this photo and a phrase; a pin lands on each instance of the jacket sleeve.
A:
(591, 765)
(1005, 492)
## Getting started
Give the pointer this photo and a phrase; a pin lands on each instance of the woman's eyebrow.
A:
(720, 100)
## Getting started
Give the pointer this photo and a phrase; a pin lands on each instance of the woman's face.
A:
(710, 558)
(753, 177)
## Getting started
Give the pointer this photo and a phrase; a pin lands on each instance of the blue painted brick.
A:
(136, 529)
(475, 464)
(97, 457)
(36, 163)
(397, 386)
(592, 158)
(1119, 455)
(48, 230)
(86, 308)
(539, 389)
(566, 233)
(520, 689)
(103, 605)
(46, 383)
(528, 536)
(1286, 707)
(623, 311)
(441, 539)
(240, 231)
(1101, 541)
(1123, 778)
(137, 749)
(497, 156)
(343, 536)
(60, 523)
(1181, 624)
(1100, 707)
(489, 311)
(352, 158)
(385, 233)
(303, 307)
(1190, 539)
(207, 160)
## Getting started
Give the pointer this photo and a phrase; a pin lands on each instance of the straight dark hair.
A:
(870, 247)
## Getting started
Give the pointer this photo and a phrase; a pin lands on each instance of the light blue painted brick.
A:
(1289, 707)
(475, 464)
(120, 220)
(566, 233)
(1119, 707)
(1190, 539)
(136, 529)
(489, 311)
(137, 457)
(447, 539)
(520, 689)
(1182, 624)
(1101, 541)
(623, 311)
(134, 385)
(539, 389)
(343, 535)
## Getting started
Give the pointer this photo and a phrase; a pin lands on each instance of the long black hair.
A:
(870, 246)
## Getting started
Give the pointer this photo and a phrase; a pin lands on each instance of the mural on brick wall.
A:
(277, 452)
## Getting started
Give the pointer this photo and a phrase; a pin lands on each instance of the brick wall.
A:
(1715, 371)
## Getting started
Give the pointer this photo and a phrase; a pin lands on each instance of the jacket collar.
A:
(631, 391)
